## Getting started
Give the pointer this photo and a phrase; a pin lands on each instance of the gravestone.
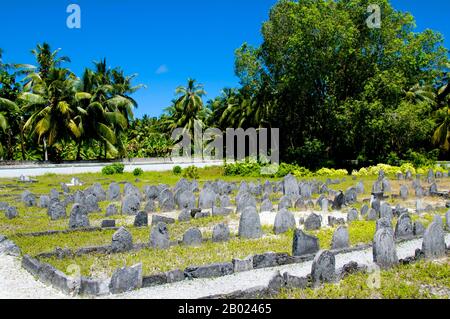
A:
(91, 203)
(384, 223)
(340, 238)
(108, 223)
(159, 236)
(56, 211)
(419, 229)
(266, 206)
(323, 268)
(300, 205)
(284, 221)
(192, 237)
(54, 194)
(372, 215)
(225, 201)
(339, 201)
(167, 203)
(186, 200)
(386, 211)
(151, 192)
(206, 198)
(433, 189)
(79, 197)
(11, 212)
(313, 222)
(98, 191)
(304, 244)
(220, 233)
(433, 245)
(352, 215)
(126, 279)
(364, 210)
(267, 187)
(351, 196)
(404, 227)
(130, 204)
(185, 215)
(408, 175)
(244, 201)
(324, 205)
(44, 201)
(404, 192)
(360, 188)
(290, 185)
(111, 210)
(114, 192)
(447, 220)
(376, 205)
(150, 206)
(130, 189)
(141, 219)
(78, 217)
(121, 241)
(384, 250)
(28, 199)
(250, 224)
(64, 188)
(285, 202)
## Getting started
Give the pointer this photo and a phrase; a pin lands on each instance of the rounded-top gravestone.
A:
(340, 238)
(78, 217)
(192, 237)
(221, 233)
(250, 224)
(384, 250)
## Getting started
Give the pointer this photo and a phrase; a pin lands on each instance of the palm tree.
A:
(94, 120)
(187, 108)
(50, 105)
(421, 93)
(46, 60)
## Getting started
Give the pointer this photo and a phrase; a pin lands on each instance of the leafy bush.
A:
(191, 172)
(112, 169)
(138, 171)
(177, 170)
(108, 170)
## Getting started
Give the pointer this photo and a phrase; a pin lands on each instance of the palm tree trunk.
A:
(22, 144)
(45, 151)
(79, 151)
(105, 149)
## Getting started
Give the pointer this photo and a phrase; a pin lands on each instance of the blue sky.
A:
(164, 41)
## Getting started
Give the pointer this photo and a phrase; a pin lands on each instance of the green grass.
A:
(415, 281)
(35, 220)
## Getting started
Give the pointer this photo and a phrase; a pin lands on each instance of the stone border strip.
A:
(288, 281)
(98, 287)
(65, 231)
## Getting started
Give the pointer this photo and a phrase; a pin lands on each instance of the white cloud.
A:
(162, 69)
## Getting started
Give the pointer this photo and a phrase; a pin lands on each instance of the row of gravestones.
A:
(384, 251)
(384, 248)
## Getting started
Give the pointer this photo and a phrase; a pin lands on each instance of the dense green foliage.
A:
(338, 90)
(112, 169)
(138, 171)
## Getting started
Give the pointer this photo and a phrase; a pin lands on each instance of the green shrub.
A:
(108, 170)
(177, 170)
(191, 172)
(138, 171)
(112, 169)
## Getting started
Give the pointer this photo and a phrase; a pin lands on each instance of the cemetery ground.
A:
(51, 241)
